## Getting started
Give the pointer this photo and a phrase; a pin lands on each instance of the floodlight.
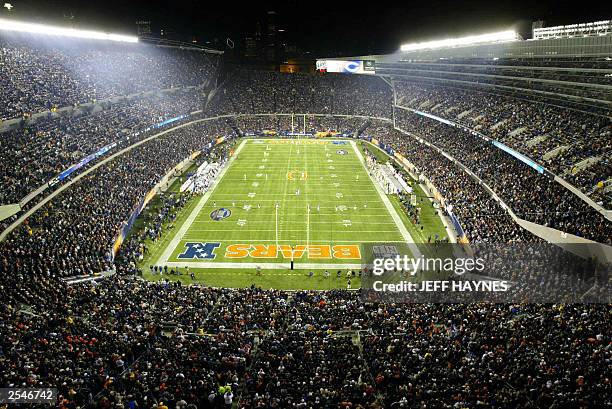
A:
(500, 36)
(10, 25)
(8, 6)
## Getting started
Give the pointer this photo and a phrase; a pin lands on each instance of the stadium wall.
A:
(7, 211)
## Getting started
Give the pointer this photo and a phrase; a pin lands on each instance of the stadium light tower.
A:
(10, 25)
(498, 37)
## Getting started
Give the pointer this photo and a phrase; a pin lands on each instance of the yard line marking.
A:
(305, 198)
(233, 229)
(276, 194)
(303, 221)
(307, 204)
(297, 199)
(206, 219)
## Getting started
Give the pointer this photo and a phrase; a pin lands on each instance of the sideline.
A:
(266, 266)
(450, 231)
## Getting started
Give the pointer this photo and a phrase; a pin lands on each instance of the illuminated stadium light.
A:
(500, 36)
(9, 25)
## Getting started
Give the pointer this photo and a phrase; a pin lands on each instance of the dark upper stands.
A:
(257, 92)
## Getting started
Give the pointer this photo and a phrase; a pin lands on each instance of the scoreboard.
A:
(347, 66)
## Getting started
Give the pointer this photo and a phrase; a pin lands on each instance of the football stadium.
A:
(211, 208)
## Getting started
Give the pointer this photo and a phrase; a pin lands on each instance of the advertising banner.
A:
(347, 67)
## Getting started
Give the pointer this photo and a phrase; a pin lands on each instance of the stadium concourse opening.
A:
(187, 225)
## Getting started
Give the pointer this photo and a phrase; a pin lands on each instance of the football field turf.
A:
(312, 201)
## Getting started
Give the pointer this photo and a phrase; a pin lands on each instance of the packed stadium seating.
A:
(531, 195)
(483, 218)
(52, 240)
(39, 74)
(534, 129)
(256, 92)
(124, 342)
(32, 156)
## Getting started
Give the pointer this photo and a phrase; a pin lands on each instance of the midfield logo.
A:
(199, 250)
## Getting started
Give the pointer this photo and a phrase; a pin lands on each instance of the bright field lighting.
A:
(9, 25)
(462, 41)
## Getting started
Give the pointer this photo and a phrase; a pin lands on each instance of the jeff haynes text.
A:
(442, 285)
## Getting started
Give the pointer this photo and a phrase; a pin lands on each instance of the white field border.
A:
(266, 266)
(178, 237)
(416, 253)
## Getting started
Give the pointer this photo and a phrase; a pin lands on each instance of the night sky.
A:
(323, 28)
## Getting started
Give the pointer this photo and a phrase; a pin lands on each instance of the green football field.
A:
(307, 200)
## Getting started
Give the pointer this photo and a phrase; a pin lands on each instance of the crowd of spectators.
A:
(493, 356)
(38, 74)
(263, 92)
(124, 343)
(482, 218)
(73, 234)
(532, 196)
(536, 130)
(30, 157)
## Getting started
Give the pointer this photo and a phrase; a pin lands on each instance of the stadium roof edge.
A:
(522, 49)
